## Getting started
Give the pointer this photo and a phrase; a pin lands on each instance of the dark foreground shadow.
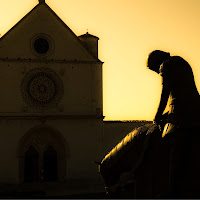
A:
(42, 195)
(145, 165)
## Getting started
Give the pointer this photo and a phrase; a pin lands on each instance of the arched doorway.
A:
(31, 165)
(43, 155)
(50, 164)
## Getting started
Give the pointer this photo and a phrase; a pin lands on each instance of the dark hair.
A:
(156, 58)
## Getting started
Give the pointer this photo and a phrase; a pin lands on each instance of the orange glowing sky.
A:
(128, 31)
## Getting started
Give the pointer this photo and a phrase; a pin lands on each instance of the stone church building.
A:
(51, 105)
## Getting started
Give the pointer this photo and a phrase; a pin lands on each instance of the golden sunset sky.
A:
(128, 31)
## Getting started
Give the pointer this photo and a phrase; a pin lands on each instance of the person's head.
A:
(156, 58)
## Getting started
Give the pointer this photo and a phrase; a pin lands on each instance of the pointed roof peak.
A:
(41, 1)
(88, 35)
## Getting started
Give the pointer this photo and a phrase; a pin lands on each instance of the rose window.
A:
(42, 88)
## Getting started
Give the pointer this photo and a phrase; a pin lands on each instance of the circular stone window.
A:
(42, 45)
(42, 88)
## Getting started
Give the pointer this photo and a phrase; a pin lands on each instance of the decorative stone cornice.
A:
(49, 117)
(48, 61)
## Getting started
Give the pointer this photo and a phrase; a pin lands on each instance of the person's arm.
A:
(164, 95)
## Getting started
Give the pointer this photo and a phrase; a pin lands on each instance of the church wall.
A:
(83, 145)
(73, 126)
(65, 45)
(11, 133)
(82, 87)
(84, 138)
(87, 140)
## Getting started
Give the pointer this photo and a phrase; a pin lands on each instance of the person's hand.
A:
(157, 120)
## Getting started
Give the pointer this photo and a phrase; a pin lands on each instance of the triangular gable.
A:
(42, 20)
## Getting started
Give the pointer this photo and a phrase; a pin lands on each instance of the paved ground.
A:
(40, 195)
(52, 191)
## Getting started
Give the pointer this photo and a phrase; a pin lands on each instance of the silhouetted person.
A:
(178, 86)
(183, 117)
(143, 151)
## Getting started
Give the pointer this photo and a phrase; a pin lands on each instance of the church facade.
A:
(51, 105)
